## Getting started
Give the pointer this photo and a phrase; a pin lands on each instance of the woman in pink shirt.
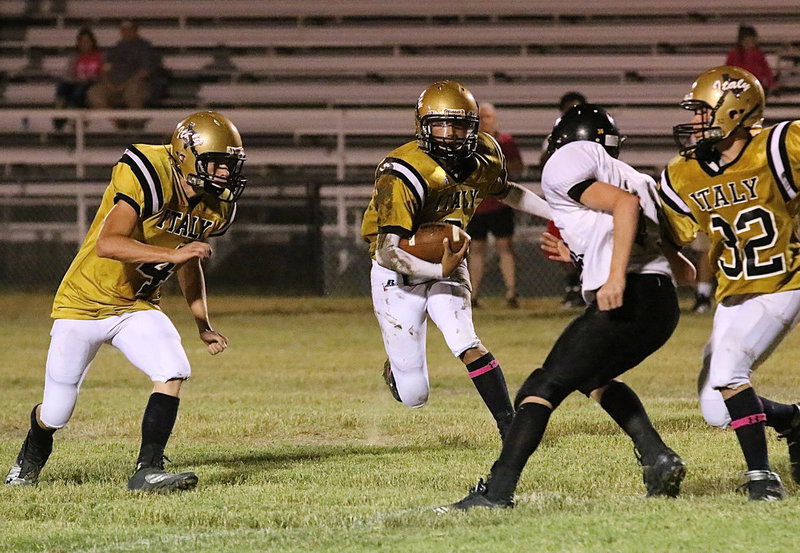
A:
(84, 70)
(747, 54)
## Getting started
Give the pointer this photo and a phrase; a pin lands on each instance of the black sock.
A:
(40, 438)
(624, 406)
(524, 436)
(747, 419)
(157, 423)
(488, 378)
(779, 415)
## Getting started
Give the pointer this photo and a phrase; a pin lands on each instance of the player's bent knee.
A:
(541, 384)
(52, 424)
(413, 396)
(413, 389)
(56, 415)
(715, 413)
(415, 402)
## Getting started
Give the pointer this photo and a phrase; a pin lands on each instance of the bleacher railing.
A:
(288, 240)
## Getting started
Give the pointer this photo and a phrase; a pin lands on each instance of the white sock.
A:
(704, 289)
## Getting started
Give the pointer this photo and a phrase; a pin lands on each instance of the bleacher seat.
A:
(394, 35)
(313, 82)
(304, 9)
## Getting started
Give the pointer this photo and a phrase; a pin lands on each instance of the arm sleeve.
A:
(677, 222)
(526, 201)
(390, 255)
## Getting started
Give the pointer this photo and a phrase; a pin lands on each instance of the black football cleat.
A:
(792, 437)
(388, 377)
(763, 485)
(154, 479)
(664, 476)
(477, 498)
(30, 462)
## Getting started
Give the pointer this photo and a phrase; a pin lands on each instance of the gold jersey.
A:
(95, 287)
(747, 208)
(412, 188)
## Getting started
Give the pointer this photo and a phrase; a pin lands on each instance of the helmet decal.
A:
(188, 135)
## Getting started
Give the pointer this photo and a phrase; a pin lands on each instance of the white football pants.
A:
(744, 335)
(147, 338)
(402, 315)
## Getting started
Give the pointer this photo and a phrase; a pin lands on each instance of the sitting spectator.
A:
(747, 54)
(84, 70)
(129, 72)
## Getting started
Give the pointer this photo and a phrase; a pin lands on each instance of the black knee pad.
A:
(541, 384)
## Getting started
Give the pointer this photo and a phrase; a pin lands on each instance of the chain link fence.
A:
(294, 240)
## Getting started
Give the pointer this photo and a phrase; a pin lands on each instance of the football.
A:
(427, 242)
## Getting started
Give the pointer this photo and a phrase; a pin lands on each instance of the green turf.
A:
(299, 446)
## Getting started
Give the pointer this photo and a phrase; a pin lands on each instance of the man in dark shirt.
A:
(128, 73)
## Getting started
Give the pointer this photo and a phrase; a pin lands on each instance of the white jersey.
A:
(589, 233)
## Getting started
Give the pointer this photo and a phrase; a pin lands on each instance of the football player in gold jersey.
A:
(443, 175)
(162, 205)
(739, 184)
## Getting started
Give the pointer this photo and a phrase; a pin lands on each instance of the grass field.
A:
(299, 446)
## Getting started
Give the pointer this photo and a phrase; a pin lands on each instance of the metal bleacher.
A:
(332, 84)
(305, 9)
(520, 36)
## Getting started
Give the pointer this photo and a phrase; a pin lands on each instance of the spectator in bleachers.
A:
(130, 70)
(747, 54)
(494, 216)
(84, 70)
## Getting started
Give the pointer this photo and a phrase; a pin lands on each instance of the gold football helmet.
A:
(201, 144)
(725, 98)
(448, 105)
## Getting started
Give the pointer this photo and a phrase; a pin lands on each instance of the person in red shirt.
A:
(84, 70)
(747, 54)
(496, 217)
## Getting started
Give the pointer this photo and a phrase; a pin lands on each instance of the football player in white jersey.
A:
(607, 214)
(739, 185)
